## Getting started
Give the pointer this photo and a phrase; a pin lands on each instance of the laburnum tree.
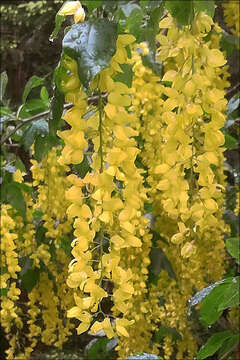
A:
(115, 205)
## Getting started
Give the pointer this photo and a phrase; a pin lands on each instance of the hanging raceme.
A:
(232, 16)
(178, 117)
(107, 202)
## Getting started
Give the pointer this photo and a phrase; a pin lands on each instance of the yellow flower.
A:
(73, 8)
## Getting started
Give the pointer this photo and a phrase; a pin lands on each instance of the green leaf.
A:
(57, 105)
(33, 82)
(3, 84)
(213, 344)
(150, 61)
(233, 247)
(40, 147)
(33, 107)
(98, 349)
(92, 45)
(230, 296)
(233, 103)
(30, 278)
(134, 23)
(59, 19)
(37, 128)
(44, 94)
(229, 42)
(15, 198)
(182, 10)
(217, 299)
(229, 345)
(126, 76)
(166, 330)
(207, 6)
(3, 292)
(200, 295)
(83, 168)
(230, 142)
(91, 5)
(159, 261)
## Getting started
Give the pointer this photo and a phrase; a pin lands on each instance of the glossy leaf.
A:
(37, 128)
(233, 247)
(44, 94)
(92, 45)
(207, 6)
(230, 296)
(3, 84)
(213, 344)
(212, 305)
(182, 10)
(229, 345)
(200, 295)
(57, 105)
(33, 107)
(33, 82)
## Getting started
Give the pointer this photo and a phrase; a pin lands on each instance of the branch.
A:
(91, 100)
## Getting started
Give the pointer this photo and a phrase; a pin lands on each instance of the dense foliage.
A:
(120, 193)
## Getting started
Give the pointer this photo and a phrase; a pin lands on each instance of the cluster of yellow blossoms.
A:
(181, 118)
(107, 203)
(231, 10)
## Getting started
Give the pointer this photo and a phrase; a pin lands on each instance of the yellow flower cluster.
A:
(231, 14)
(181, 118)
(9, 269)
(50, 179)
(107, 203)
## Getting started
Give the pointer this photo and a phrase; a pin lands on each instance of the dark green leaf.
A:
(213, 344)
(230, 297)
(126, 76)
(229, 345)
(37, 128)
(3, 84)
(230, 142)
(57, 105)
(155, 16)
(15, 198)
(144, 356)
(233, 103)
(166, 330)
(98, 349)
(3, 292)
(207, 6)
(58, 23)
(229, 43)
(182, 10)
(92, 45)
(40, 147)
(210, 310)
(30, 278)
(159, 261)
(44, 94)
(134, 22)
(91, 5)
(33, 107)
(233, 247)
(33, 82)
(83, 168)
